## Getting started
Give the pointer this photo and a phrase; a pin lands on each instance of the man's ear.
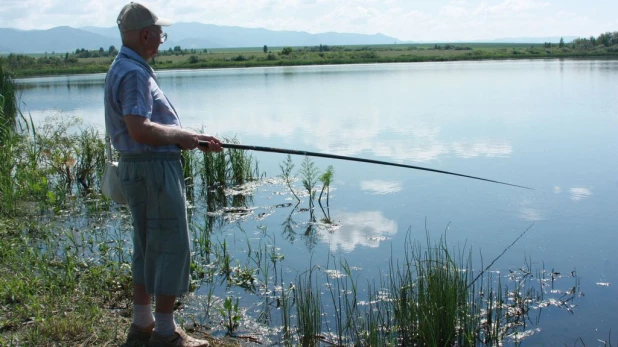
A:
(144, 34)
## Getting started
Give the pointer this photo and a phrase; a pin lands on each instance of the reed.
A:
(8, 100)
(428, 298)
(308, 308)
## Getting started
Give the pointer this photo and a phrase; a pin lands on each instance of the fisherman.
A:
(145, 128)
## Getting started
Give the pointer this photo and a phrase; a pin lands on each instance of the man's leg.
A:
(142, 313)
(164, 315)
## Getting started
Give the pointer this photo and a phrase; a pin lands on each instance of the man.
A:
(144, 127)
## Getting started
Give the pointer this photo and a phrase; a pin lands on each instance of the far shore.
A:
(87, 62)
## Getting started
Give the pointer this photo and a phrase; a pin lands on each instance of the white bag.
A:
(111, 185)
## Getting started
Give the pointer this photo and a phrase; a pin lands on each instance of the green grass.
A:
(49, 295)
(24, 66)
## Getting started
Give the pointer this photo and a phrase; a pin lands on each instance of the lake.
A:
(547, 124)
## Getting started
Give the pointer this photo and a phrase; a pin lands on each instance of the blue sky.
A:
(417, 20)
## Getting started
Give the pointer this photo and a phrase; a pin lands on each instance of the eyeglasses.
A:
(162, 35)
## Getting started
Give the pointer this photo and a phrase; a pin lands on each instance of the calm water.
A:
(547, 124)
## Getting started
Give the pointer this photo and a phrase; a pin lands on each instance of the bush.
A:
(193, 59)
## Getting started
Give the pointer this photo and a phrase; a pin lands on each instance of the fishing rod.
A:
(341, 157)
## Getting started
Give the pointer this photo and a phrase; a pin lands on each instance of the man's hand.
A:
(213, 143)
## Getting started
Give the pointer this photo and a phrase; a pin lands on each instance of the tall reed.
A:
(309, 308)
(8, 100)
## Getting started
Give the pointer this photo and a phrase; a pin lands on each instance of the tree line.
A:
(607, 39)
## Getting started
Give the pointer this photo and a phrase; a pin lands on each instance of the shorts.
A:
(153, 184)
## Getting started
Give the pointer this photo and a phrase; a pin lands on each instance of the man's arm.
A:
(142, 130)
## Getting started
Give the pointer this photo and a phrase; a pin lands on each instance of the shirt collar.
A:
(131, 54)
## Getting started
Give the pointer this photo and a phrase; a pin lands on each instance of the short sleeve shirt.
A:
(131, 88)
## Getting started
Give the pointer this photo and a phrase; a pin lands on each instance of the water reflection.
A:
(381, 187)
(578, 194)
(530, 214)
(482, 148)
(366, 229)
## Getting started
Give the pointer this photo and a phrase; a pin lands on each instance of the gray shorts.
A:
(154, 186)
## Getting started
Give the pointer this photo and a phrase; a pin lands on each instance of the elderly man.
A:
(144, 127)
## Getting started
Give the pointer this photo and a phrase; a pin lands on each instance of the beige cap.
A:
(136, 16)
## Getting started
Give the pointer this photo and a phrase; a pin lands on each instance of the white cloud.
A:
(404, 20)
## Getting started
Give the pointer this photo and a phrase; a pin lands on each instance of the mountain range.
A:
(194, 35)
(185, 35)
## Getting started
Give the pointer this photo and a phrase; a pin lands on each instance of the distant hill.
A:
(58, 39)
(186, 35)
(198, 35)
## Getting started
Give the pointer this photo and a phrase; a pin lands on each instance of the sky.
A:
(406, 20)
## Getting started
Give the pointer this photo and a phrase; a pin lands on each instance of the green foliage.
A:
(229, 167)
(326, 178)
(309, 309)
(58, 290)
(8, 100)
(286, 173)
(265, 49)
(309, 173)
(193, 59)
(83, 61)
(231, 314)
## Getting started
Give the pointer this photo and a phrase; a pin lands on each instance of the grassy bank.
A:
(76, 63)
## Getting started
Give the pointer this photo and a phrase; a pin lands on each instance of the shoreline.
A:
(217, 64)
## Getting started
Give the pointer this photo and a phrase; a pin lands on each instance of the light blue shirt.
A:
(131, 88)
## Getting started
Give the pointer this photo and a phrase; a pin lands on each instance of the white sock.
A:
(142, 316)
(164, 324)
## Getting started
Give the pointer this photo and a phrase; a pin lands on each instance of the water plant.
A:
(231, 314)
(308, 308)
(326, 178)
(309, 174)
(286, 173)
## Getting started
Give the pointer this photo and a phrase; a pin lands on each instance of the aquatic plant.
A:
(231, 314)
(286, 173)
(309, 173)
(326, 178)
(308, 308)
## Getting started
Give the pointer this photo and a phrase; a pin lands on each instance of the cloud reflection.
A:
(578, 194)
(381, 187)
(530, 214)
(360, 229)
(482, 148)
